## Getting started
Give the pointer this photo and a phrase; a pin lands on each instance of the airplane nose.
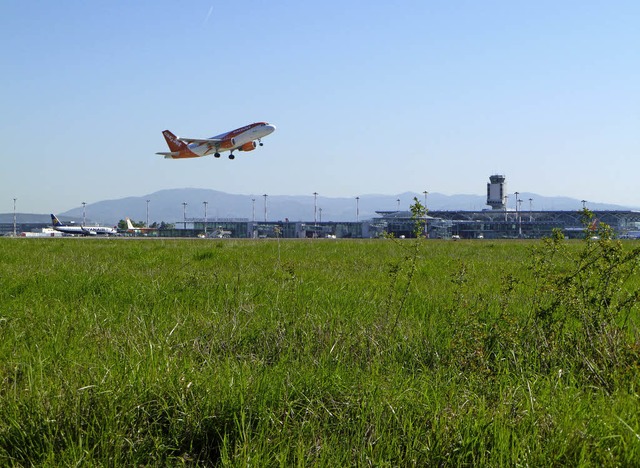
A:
(271, 128)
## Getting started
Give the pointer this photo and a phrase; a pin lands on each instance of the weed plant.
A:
(319, 352)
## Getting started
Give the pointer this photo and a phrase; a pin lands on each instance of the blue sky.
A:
(368, 97)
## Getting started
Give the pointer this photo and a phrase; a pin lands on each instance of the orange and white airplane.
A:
(241, 139)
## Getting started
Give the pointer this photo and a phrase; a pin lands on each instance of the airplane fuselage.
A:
(82, 230)
(234, 140)
(240, 139)
(86, 230)
(138, 230)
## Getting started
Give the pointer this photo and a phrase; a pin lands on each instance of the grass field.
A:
(318, 352)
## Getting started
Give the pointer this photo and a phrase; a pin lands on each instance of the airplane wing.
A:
(169, 154)
(199, 140)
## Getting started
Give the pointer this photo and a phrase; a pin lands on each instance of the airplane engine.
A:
(248, 146)
(227, 144)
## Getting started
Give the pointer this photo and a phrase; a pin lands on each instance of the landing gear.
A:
(217, 155)
(260, 143)
(232, 156)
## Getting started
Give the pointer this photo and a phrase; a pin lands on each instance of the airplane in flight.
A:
(241, 139)
(82, 230)
(138, 230)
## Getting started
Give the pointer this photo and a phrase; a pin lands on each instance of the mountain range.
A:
(168, 206)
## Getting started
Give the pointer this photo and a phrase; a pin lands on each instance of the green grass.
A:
(325, 353)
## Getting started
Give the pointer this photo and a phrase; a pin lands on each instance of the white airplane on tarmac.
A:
(82, 230)
(241, 139)
(142, 230)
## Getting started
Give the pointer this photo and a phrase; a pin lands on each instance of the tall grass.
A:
(329, 353)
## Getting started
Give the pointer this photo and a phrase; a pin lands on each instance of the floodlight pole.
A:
(84, 217)
(253, 210)
(519, 218)
(357, 209)
(425, 212)
(14, 218)
(205, 203)
(506, 208)
(315, 208)
(265, 207)
(148, 212)
(184, 214)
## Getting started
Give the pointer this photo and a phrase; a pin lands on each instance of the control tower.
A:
(496, 192)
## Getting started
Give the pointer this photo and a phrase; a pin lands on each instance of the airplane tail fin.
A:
(55, 221)
(175, 145)
(129, 224)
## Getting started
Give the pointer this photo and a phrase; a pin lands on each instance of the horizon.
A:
(310, 196)
(436, 202)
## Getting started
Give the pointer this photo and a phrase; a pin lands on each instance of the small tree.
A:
(402, 273)
(583, 300)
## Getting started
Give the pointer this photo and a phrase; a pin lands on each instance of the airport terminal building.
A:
(491, 224)
(487, 224)
(499, 222)
(245, 229)
(496, 222)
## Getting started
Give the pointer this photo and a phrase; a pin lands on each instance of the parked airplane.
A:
(132, 228)
(82, 230)
(241, 139)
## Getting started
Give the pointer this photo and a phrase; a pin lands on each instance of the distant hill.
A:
(167, 206)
